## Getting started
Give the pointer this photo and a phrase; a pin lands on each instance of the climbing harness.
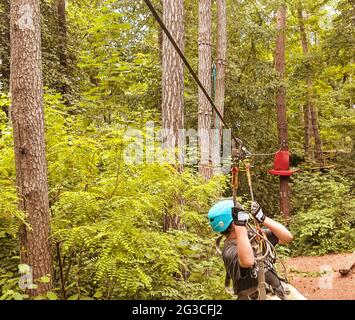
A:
(264, 250)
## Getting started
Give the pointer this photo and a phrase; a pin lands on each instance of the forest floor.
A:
(318, 278)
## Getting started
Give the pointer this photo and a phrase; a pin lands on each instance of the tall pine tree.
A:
(30, 152)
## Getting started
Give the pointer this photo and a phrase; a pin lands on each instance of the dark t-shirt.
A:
(244, 278)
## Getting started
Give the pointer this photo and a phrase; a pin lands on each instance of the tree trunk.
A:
(62, 52)
(310, 110)
(30, 151)
(62, 25)
(204, 107)
(173, 89)
(280, 62)
(307, 110)
(221, 63)
(173, 77)
(159, 100)
(221, 54)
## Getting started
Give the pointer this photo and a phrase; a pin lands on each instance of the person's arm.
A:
(244, 249)
(280, 231)
(275, 227)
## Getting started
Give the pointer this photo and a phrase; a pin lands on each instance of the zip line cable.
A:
(192, 72)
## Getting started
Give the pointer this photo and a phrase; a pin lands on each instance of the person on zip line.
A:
(239, 254)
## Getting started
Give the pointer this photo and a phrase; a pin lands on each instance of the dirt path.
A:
(317, 278)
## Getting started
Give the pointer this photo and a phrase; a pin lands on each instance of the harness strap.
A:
(235, 182)
(260, 257)
(261, 281)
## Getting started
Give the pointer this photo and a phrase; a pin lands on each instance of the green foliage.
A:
(9, 267)
(329, 65)
(115, 237)
(108, 216)
(4, 46)
(325, 217)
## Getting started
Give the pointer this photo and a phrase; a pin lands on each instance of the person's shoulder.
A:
(229, 246)
(229, 243)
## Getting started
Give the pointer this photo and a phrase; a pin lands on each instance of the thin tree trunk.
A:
(280, 62)
(221, 54)
(204, 107)
(63, 47)
(221, 63)
(307, 110)
(62, 25)
(30, 152)
(173, 76)
(310, 110)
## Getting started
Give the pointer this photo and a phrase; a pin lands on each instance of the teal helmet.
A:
(220, 215)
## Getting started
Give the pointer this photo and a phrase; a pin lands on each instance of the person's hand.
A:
(240, 218)
(257, 212)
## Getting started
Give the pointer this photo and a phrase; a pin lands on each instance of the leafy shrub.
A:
(108, 217)
(325, 214)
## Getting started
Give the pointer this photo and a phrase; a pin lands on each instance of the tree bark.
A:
(307, 110)
(173, 90)
(221, 63)
(29, 144)
(173, 77)
(62, 48)
(221, 60)
(310, 110)
(280, 62)
(62, 25)
(204, 107)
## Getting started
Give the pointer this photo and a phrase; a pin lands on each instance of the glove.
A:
(240, 218)
(257, 212)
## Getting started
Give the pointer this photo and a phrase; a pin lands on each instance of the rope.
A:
(260, 255)
(235, 183)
